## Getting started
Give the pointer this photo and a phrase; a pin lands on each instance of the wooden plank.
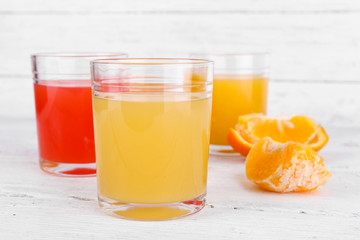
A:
(57, 208)
(35, 205)
(320, 48)
(325, 102)
(161, 6)
(315, 71)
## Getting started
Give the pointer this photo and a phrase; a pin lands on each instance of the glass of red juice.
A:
(63, 104)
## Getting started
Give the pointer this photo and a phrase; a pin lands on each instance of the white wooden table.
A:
(315, 70)
(35, 205)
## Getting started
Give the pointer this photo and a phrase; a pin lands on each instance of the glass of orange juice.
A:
(240, 87)
(152, 132)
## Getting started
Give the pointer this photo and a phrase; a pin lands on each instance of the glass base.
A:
(153, 212)
(222, 150)
(68, 169)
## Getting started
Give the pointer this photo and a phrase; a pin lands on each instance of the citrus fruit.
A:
(285, 167)
(252, 127)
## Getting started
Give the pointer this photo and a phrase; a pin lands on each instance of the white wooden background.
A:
(315, 46)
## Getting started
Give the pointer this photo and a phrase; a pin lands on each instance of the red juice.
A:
(65, 123)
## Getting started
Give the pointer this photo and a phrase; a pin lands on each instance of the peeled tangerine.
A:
(285, 167)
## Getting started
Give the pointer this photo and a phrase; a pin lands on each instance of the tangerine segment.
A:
(237, 142)
(252, 127)
(288, 167)
(319, 140)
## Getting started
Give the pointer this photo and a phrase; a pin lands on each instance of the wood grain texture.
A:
(311, 41)
(315, 49)
(35, 205)
(155, 6)
(330, 104)
(39, 206)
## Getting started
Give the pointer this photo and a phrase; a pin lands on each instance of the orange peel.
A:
(252, 127)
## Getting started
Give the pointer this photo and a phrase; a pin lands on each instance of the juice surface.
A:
(64, 123)
(151, 149)
(234, 95)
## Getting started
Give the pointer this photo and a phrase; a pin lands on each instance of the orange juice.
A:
(151, 149)
(234, 95)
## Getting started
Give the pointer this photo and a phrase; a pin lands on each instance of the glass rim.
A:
(76, 54)
(151, 61)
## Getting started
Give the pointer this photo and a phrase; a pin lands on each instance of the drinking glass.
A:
(62, 90)
(152, 130)
(240, 87)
